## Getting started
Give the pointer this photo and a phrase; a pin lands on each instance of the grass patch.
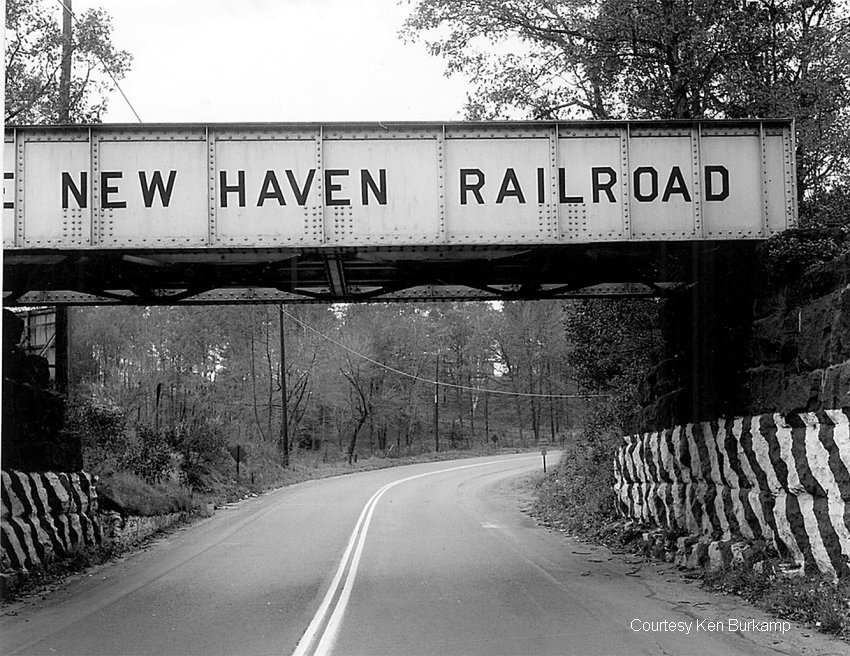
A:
(577, 496)
(128, 493)
(814, 600)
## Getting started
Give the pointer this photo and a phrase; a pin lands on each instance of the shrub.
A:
(200, 445)
(149, 456)
(825, 208)
(578, 494)
(787, 256)
(101, 428)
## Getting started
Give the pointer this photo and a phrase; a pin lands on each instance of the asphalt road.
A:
(424, 559)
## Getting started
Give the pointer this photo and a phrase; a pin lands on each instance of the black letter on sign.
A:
(330, 187)
(676, 178)
(368, 182)
(515, 190)
(710, 194)
(562, 189)
(8, 205)
(474, 187)
(80, 193)
(106, 189)
(301, 194)
(225, 189)
(156, 184)
(653, 176)
(275, 192)
(598, 186)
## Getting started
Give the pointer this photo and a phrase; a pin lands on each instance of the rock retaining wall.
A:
(125, 531)
(783, 479)
(739, 347)
(46, 516)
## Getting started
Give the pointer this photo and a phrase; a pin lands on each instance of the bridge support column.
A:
(705, 331)
(61, 374)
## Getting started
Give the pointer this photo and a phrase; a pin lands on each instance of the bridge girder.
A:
(169, 214)
(357, 275)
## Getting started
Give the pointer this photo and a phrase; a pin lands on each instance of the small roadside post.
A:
(238, 454)
(543, 443)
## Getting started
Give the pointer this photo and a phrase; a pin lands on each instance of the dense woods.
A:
(359, 379)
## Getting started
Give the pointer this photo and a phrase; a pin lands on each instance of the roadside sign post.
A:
(238, 454)
(543, 443)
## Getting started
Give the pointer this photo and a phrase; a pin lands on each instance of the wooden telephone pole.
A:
(437, 406)
(62, 361)
(284, 415)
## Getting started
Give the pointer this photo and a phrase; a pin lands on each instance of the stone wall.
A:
(125, 530)
(780, 479)
(46, 517)
(740, 343)
(798, 352)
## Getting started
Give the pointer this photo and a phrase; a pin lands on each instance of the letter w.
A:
(156, 184)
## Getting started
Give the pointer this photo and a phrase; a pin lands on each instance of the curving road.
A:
(423, 559)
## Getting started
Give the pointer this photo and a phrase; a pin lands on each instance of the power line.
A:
(437, 382)
(65, 7)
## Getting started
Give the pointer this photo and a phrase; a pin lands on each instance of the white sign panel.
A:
(395, 185)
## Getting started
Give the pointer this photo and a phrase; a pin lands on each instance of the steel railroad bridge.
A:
(229, 213)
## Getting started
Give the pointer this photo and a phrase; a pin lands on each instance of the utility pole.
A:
(284, 415)
(437, 406)
(65, 70)
(486, 411)
(3, 90)
(62, 360)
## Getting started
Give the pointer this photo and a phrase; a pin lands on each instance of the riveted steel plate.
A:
(381, 191)
(267, 192)
(590, 187)
(495, 188)
(387, 185)
(56, 194)
(661, 187)
(9, 176)
(152, 193)
(732, 176)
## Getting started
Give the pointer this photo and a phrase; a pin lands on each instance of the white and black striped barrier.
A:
(781, 478)
(46, 516)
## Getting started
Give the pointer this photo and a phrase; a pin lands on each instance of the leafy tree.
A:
(34, 54)
(616, 342)
(638, 59)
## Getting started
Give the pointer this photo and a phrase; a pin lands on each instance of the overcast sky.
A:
(274, 60)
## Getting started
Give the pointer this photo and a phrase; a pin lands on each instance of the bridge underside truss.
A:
(347, 275)
(309, 213)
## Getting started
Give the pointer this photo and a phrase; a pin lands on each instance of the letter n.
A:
(379, 190)
(80, 193)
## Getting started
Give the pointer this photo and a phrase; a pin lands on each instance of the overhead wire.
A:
(106, 67)
(436, 382)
